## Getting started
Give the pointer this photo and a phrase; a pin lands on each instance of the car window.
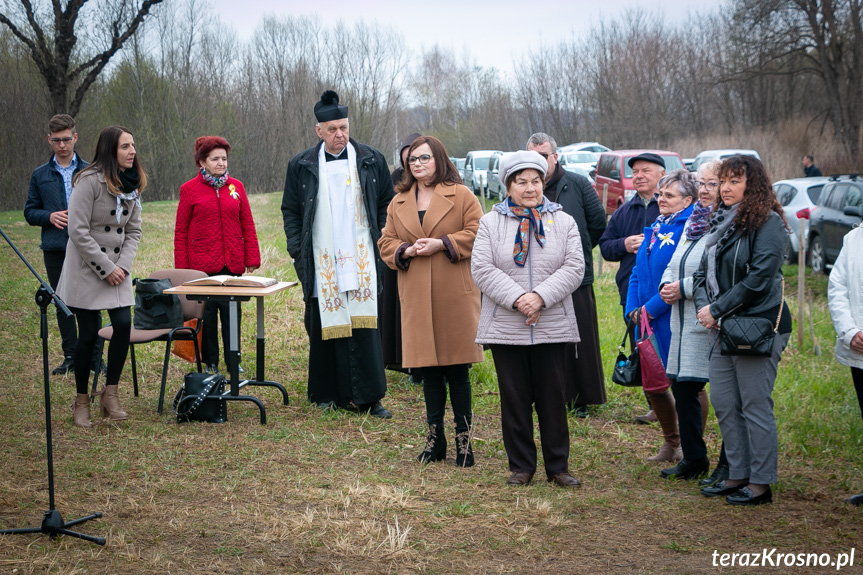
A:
(480, 163)
(580, 158)
(492, 165)
(814, 192)
(824, 197)
(853, 197)
(837, 197)
(606, 164)
(785, 193)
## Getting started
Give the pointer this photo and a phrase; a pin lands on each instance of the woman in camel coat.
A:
(428, 238)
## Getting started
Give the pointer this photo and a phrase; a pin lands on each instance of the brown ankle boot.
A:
(663, 406)
(705, 409)
(110, 403)
(81, 410)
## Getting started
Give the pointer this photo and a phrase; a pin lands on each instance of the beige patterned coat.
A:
(97, 245)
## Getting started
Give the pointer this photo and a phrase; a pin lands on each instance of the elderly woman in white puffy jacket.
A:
(527, 260)
(845, 298)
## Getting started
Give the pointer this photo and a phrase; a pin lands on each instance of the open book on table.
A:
(233, 281)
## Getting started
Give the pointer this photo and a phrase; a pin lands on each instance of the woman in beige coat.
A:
(428, 238)
(104, 231)
(527, 261)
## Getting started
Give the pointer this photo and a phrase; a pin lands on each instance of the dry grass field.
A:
(315, 492)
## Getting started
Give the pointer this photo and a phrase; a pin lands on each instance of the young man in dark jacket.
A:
(47, 206)
(334, 207)
(585, 383)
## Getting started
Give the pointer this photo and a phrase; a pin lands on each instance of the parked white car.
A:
(594, 147)
(710, 155)
(476, 167)
(795, 195)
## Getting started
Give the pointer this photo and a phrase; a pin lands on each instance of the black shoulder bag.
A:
(627, 371)
(153, 308)
(199, 386)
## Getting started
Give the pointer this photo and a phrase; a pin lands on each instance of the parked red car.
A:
(612, 170)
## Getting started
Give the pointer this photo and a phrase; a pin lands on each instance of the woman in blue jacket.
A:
(677, 192)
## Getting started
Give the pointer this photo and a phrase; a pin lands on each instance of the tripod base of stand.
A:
(52, 525)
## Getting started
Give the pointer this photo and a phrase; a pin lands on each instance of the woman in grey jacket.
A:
(104, 231)
(690, 342)
(527, 315)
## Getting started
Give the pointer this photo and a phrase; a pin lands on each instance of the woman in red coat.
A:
(215, 233)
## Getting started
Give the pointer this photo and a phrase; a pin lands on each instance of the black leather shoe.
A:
(327, 406)
(855, 500)
(579, 410)
(687, 469)
(377, 410)
(68, 366)
(519, 478)
(720, 488)
(745, 497)
(719, 474)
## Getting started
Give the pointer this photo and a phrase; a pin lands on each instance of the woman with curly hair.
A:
(740, 275)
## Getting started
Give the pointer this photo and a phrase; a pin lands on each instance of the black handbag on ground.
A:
(627, 371)
(200, 385)
(154, 309)
(748, 335)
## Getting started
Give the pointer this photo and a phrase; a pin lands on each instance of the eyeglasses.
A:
(423, 159)
(710, 186)
(669, 196)
(544, 155)
(61, 140)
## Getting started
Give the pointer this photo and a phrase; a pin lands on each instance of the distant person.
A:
(677, 192)
(334, 207)
(390, 307)
(215, 233)
(809, 168)
(585, 382)
(623, 236)
(104, 232)
(845, 299)
(48, 207)
(429, 236)
(527, 261)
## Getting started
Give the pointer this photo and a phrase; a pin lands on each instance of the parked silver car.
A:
(796, 195)
(496, 188)
(710, 155)
(475, 168)
(459, 165)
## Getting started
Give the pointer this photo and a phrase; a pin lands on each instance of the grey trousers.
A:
(740, 390)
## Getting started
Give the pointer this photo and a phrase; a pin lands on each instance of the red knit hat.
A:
(206, 144)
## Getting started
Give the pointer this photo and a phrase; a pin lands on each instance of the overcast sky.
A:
(494, 32)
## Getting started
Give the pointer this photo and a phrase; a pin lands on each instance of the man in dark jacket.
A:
(47, 206)
(624, 234)
(585, 383)
(334, 207)
(810, 170)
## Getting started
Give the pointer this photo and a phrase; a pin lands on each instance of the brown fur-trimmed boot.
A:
(81, 411)
(110, 403)
(663, 405)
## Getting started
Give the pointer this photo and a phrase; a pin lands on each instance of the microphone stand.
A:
(52, 522)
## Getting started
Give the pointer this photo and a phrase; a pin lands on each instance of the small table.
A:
(234, 295)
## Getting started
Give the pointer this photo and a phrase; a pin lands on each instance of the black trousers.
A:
(585, 382)
(533, 376)
(68, 333)
(857, 376)
(89, 323)
(213, 312)
(689, 418)
(435, 381)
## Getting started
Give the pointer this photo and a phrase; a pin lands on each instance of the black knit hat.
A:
(328, 109)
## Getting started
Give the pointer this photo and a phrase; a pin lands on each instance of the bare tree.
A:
(52, 41)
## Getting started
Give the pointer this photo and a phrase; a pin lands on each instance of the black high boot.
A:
(463, 451)
(435, 448)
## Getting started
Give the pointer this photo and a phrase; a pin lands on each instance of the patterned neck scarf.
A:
(661, 221)
(699, 221)
(216, 182)
(529, 217)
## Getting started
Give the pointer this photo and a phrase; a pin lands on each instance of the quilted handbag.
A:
(747, 335)
(653, 378)
(627, 371)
